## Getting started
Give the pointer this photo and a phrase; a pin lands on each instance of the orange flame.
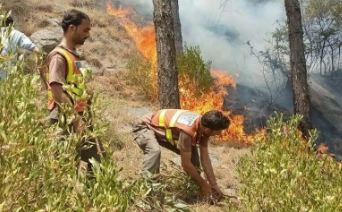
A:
(144, 38)
(120, 12)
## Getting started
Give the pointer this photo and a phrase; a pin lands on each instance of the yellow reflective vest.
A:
(74, 84)
(184, 120)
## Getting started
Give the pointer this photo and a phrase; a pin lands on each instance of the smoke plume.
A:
(222, 28)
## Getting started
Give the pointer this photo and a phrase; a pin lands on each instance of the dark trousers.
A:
(86, 149)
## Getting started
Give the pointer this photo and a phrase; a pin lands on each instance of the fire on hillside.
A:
(212, 98)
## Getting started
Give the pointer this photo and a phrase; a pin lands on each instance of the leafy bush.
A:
(171, 191)
(38, 166)
(192, 65)
(284, 174)
(38, 163)
(191, 68)
(140, 73)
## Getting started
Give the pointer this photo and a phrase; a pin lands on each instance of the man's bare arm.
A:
(58, 93)
(206, 162)
(185, 148)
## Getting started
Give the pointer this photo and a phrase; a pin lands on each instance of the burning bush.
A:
(284, 174)
(192, 70)
(191, 65)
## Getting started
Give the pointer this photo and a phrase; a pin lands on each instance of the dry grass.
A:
(99, 17)
(119, 102)
(44, 7)
(83, 3)
(109, 45)
(28, 14)
(94, 62)
(30, 27)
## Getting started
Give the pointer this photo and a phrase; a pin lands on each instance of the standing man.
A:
(180, 131)
(66, 83)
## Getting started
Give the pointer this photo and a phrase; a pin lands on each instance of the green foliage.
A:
(38, 166)
(109, 194)
(37, 160)
(178, 184)
(192, 65)
(140, 74)
(4, 33)
(322, 35)
(316, 9)
(284, 174)
(29, 169)
(168, 192)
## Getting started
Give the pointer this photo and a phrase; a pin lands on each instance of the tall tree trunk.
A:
(321, 58)
(177, 27)
(298, 65)
(332, 58)
(339, 57)
(166, 55)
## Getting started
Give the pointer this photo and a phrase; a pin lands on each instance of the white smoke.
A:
(222, 30)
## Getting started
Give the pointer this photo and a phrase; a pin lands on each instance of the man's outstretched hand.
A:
(217, 193)
(206, 190)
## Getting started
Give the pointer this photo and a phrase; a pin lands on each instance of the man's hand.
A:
(217, 193)
(37, 50)
(206, 190)
(185, 146)
(58, 93)
(79, 125)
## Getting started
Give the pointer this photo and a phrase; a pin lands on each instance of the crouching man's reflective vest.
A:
(184, 120)
(74, 86)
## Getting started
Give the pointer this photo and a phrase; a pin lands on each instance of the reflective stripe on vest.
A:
(168, 131)
(75, 85)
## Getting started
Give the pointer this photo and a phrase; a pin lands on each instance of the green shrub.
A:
(284, 174)
(171, 191)
(38, 166)
(192, 65)
(140, 74)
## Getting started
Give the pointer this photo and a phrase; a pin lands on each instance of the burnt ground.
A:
(256, 106)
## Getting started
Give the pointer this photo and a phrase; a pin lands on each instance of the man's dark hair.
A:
(9, 21)
(73, 17)
(215, 120)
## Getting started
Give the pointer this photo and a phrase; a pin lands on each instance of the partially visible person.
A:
(16, 40)
(13, 42)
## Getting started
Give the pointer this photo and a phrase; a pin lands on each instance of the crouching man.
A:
(181, 131)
